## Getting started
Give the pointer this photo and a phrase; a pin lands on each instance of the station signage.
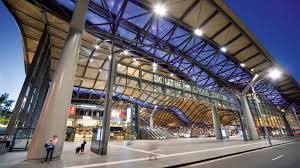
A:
(178, 84)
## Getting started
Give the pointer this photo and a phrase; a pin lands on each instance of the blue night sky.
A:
(275, 23)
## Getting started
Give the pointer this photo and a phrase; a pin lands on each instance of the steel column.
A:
(108, 104)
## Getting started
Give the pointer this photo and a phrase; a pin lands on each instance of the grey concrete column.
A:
(216, 122)
(253, 135)
(108, 103)
(54, 113)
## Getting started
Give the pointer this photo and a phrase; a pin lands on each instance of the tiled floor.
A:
(171, 152)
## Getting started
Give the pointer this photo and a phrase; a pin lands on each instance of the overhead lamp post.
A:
(274, 74)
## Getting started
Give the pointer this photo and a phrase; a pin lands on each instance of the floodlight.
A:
(223, 49)
(126, 52)
(96, 46)
(274, 73)
(198, 32)
(160, 9)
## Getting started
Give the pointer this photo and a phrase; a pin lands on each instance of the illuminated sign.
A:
(72, 110)
(117, 114)
(190, 88)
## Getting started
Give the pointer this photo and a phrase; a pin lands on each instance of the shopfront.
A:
(84, 118)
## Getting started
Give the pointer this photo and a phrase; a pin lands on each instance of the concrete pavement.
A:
(281, 156)
(171, 152)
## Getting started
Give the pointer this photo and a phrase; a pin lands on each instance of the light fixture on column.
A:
(243, 65)
(109, 57)
(252, 69)
(198, 32)
(160, 9)
(91, 60)
(223, 49)
(100, 70)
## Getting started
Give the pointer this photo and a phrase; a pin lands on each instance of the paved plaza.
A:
(121, 154)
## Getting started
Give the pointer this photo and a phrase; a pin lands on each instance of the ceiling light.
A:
(171, 74)
(198, 32)
(126, 52)
(91, 60)
(134, 59)
(154, 64)
(96, 46)
(275, 73)
(109, 57)
(243, 65)
(100, 70)
(223, 49)
(160, 9)
(252, 70)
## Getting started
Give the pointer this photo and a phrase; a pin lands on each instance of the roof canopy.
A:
(170, 41)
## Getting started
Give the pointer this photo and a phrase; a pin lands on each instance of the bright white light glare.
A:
(109, 57)
(198, 32)
(100, 70)
(96, 46)
(252, 70)
(91, 60)
(243, 65)
(274, 74)
(134, 59)
(126, 52)
(154, 64)
(160, 9)
(223, 49)
(171, 74)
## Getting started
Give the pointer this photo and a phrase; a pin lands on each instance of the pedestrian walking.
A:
(154, 150)
(50, 146)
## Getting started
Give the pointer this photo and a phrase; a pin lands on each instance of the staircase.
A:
(155, 134)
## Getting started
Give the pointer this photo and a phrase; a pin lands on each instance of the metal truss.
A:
(167, 41)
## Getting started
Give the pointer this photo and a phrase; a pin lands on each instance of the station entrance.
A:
(128, 86)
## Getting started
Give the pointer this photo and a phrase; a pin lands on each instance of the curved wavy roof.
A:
(168, 40)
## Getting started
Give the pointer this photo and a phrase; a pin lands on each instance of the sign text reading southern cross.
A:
(187, 87)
